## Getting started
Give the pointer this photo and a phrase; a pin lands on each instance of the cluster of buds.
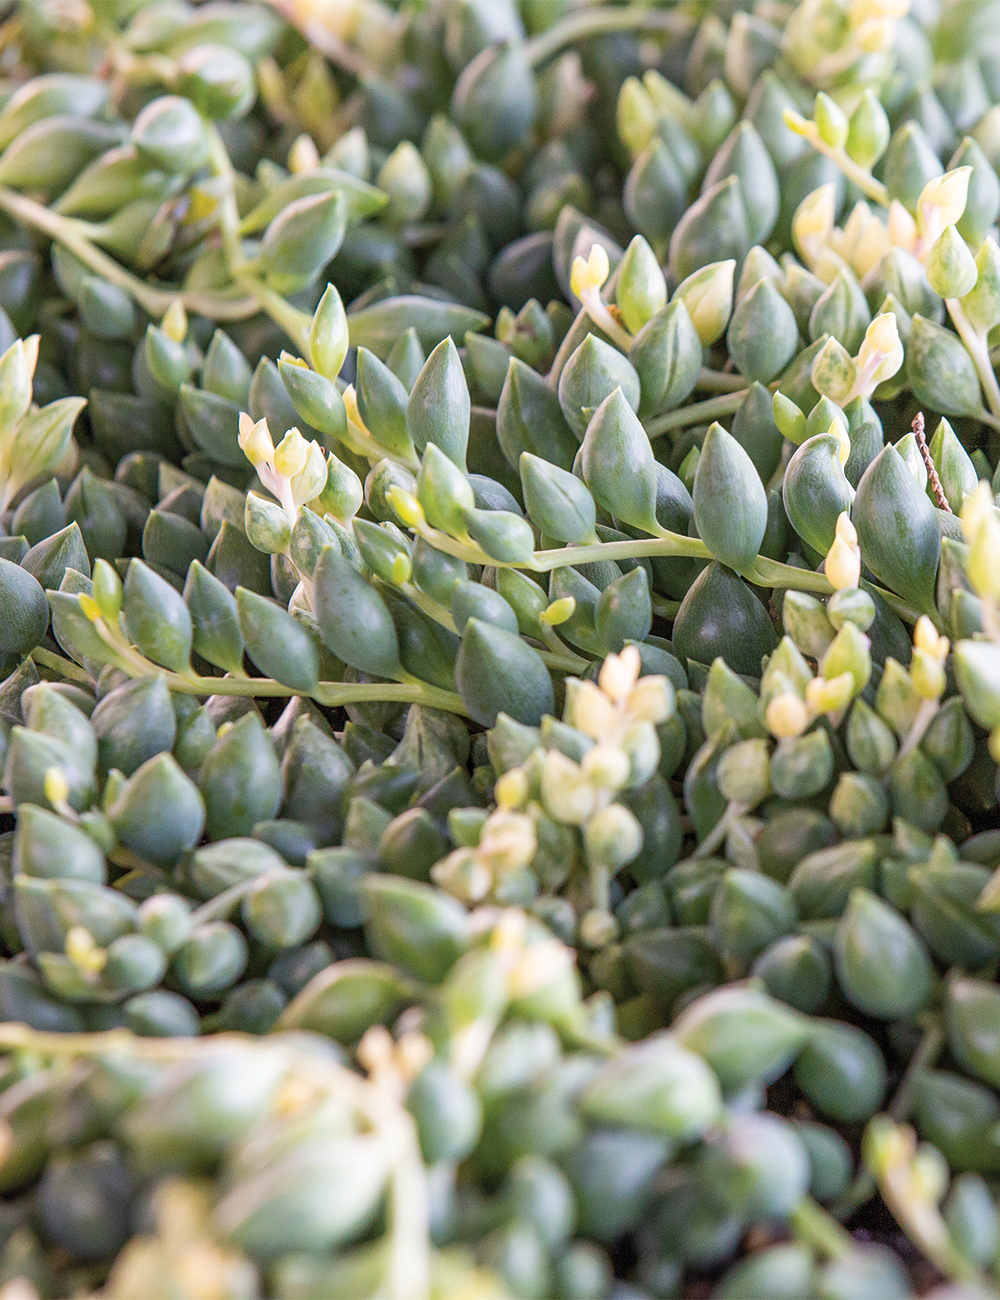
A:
(842, 378)
(611, 727)
(506, 847)
(929, 235)
(793, 697)
(855, 41)
(294, 472)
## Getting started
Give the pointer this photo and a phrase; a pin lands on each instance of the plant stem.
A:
(597, 22)
(812, 1225)
(922, 1059)
(979, 351)
(69, 233)
(664, 608)
(66, 667)
(926, 714)
(862, 179)
(713, 408)
(720, 381)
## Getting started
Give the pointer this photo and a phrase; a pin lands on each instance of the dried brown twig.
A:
(932, 475)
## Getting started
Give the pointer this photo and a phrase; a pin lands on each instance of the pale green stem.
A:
(219, 907)
(229, 216)
(70, 233)
(409, 1212)
(663, 608)
(923, 1058)
(295, 323)
(863, 1187)
(408, 690)
(597, 22)
(863, 179)
(720, 381)
(66, 667)
(560, 657)
(926, 714)
(714, 408)
(811, 1224)
(979, 351)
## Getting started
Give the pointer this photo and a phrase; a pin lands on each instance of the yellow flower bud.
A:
(175, 322)
(90, 607)
(558, 612)
(838, 431)
(786, 716)
(406, 506)
(291, 454)
(83, 952)
(619, 674)
(589, 276)
(843, 562)
(927, 638)
(56, 786)
(824, 696)
(303, 156)
(977, 508)
(927, 675)
(402, 569)
(511, 789)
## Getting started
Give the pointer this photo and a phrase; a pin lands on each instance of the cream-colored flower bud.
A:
(901, 227)
(592, 711)
(462, 875)
(291, 454)
(606, 767)
(787, 716)
(83, 951)
(652, 698)
(812, 224)
(508, 842)
(310, 481)
(876, 35)
(255, 441)
(619, 674)
(567, 794)
(303, 156)
(942, 202)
